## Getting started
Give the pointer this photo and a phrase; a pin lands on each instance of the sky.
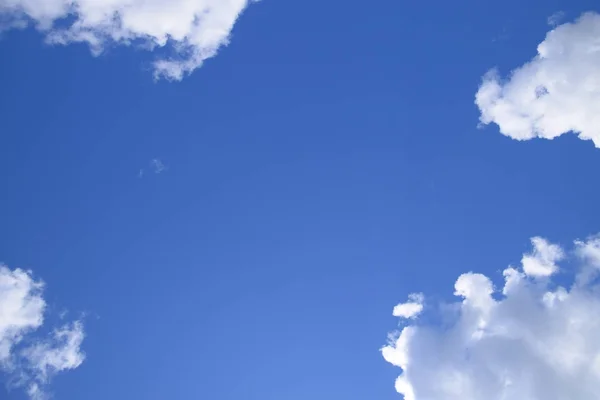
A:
(287, 200)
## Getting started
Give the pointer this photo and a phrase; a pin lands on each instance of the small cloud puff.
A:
(534, 340)
(194, 29)
(542, 261)
(156, 167)
(557, 92)
(29, 361)
(411, 308)
(556, 18)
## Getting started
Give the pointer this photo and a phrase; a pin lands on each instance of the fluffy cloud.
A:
(531, 339)
(542, 261)
(412, 308)
(21, 308)
(194, 29)
(557, 92)
(28, 360)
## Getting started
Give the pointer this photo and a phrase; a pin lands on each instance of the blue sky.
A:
(321, 167)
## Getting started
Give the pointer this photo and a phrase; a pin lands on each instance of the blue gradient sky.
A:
(320, 168)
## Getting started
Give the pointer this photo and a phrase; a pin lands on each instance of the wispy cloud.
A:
(193, 29)
(556, 18)
(532, 338)
(156, 166)
(557, 92)
(28, 360)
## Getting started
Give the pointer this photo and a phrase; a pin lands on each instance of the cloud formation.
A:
(555, 18)
(542, 261)
(412, 308)
(530, 339)
(193, 29)
(557, 92)
(28, 360)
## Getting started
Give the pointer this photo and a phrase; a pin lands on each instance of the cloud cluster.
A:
(30, 361)
(557, 92)
(194, 29)
(530, 339)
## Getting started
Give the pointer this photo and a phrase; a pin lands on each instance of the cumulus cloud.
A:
(193, 29)
(411, 308)
(556, 92)
(21, 308)
(542, 261)
(530, 339)
(30, 361)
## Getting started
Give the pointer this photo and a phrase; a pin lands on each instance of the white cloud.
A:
(557, 92)
(61, 352)
(195, 29)
(28, 360)
(532, 339)
(556, 18)
(21, 308)
(411, 308)
(542, 261)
